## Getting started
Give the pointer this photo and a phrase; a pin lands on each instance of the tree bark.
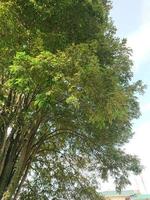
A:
(8, 167)
(16, 158)
(13, 170)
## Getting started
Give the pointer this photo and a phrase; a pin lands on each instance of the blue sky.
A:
(132, 19)
(127, 15)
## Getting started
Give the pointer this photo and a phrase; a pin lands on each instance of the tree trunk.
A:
(13, 169)
(7, 171)
(15, 152)
(16, 164)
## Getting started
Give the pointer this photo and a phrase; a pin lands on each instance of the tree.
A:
(66, 99)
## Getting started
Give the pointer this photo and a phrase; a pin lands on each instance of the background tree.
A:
(66, 99)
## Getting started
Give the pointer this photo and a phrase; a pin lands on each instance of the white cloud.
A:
(140, 146)
(145, 107)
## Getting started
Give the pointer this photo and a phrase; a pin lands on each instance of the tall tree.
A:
(66, 99)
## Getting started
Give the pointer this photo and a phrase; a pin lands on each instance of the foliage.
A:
(66, 100)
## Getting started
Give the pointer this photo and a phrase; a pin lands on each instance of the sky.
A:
(132, 19)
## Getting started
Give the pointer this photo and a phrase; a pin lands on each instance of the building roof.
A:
(123, 193)
(141, 197)
(134, 194)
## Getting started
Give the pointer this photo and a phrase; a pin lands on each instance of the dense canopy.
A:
(67, 100)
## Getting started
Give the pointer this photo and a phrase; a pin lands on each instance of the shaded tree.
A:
(66, 99)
